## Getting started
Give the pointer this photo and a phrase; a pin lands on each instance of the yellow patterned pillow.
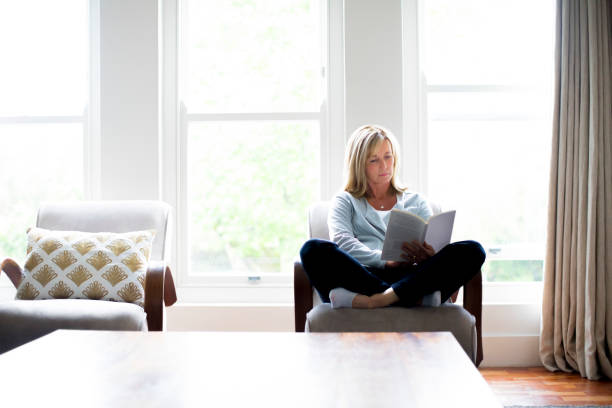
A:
(84, 265)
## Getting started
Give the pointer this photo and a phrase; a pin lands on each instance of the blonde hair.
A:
(359, 148)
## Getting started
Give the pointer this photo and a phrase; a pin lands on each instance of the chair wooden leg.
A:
(159, 292)
(472, 302)
(302, 295)
(154, 299)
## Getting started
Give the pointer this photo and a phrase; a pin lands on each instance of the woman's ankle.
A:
(362, 302)
(387, 298)
(378, 300)
(375, 301)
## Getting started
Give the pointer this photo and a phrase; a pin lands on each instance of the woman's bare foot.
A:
(375, 301)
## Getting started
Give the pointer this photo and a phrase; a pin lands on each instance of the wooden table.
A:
(210, 369)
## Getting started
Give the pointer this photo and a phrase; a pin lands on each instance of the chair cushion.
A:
(447, 317)
(85, 265)
(22, 321)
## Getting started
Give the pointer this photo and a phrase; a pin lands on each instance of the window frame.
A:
(416, 135)
(235, 287)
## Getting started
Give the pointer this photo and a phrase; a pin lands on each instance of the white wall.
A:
(373, 63)
(129, 99)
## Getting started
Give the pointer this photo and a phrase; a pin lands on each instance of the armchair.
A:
(25, 320)
(464, 322)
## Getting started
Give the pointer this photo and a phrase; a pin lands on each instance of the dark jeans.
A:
(329, 267)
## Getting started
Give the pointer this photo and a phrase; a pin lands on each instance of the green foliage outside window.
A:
(249, 189)
(513, 271)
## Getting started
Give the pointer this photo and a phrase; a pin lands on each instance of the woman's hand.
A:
(415, 252)
(395, 264)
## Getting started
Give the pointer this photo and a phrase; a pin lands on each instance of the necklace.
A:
(375, 205)
(384, 203)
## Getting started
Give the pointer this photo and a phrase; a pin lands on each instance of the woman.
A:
(349, 271)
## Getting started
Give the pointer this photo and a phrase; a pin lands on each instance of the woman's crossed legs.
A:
(328, 267)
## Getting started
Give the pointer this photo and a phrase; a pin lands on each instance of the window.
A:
(489, 75)
(43, 78)
(250, 80)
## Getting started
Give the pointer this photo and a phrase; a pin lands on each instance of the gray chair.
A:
(24, 320)
(464, 322)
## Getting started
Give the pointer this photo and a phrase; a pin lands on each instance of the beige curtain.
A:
(577, 304)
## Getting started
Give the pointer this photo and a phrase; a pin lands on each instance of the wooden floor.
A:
(538, 386)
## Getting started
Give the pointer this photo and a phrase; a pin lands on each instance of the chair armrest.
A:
(159, 290)
(169, 288)
(13, 270)
(472, 302)
(302, 295)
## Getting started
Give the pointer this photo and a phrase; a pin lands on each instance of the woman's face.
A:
(379, 166)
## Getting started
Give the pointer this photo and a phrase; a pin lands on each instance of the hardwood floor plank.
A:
(538, 386)
(561, 394)
(590, 399)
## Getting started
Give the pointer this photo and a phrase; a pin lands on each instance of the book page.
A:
(440, 229)
(403, 227)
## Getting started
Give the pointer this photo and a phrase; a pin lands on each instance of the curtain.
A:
(577, 300)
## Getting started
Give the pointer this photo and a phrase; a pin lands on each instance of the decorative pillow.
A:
(84, 265)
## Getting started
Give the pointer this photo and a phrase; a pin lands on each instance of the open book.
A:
(406, 227)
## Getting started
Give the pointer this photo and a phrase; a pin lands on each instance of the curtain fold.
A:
(577, 303)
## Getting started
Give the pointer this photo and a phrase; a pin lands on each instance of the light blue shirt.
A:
(359, 229)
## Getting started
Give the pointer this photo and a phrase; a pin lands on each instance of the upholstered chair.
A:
(25, 320)
(463, 322)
